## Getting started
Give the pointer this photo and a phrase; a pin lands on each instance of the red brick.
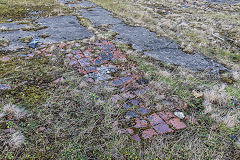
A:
(177, 123)
(166, 115)
(141, 123)
(154, 119)
(148, 133)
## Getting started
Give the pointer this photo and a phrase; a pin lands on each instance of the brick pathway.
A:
(101, 62)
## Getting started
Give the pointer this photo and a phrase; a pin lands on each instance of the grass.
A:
(73, 119)
(17, 10)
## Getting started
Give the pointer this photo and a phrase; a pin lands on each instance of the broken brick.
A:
(148, 133)
(154, 119)
(177, 123)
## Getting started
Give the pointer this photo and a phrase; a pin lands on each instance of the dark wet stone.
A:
(131, 114)
(84, 62)
(4, 87)
(143, 111)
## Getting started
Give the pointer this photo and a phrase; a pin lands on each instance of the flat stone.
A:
(131, 114)
(177, 124)
(140, 123)
(162, 128)
(143, 111)
(148, 133)
(136, 137)
(154, 119)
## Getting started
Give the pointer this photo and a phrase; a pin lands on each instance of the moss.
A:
(44, 35)
(26, 39)
(35, 28)
(4, 43)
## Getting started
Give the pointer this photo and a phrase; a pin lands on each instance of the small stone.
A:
(155, 119)
(177, 124)
(148, 133)
(163, 128)
(4, 87)
(179, 115)
(141, 123)
(5, 59)
(136, 137)
(131, 114)
(143, 111)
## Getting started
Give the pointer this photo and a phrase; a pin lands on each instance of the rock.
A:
(4, 87)
(179, 115)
